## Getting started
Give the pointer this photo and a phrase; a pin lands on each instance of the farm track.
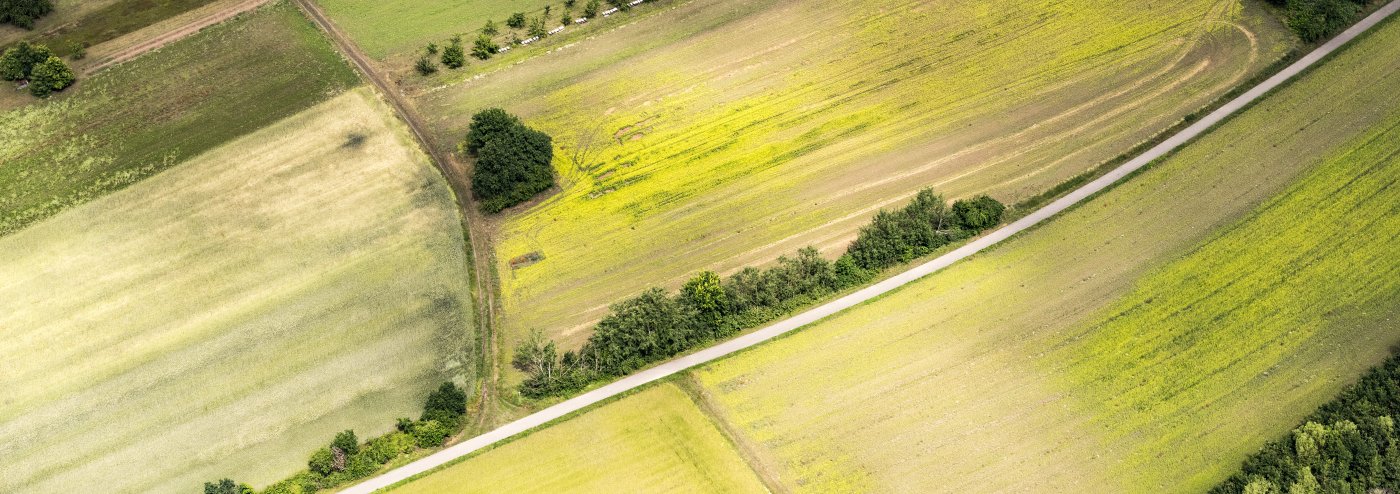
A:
(173, 35)
(815, 314)
(456, 175)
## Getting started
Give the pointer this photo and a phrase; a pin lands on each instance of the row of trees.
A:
(37, 64)
(1314, 20)
(1349, 445)
(656, 325)
(453, 56)
(513, 162)
(346, 459)
(23, 13)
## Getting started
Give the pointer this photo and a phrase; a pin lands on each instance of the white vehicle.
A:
(556, 30)
(609, 12)
(580, 20)
(503, 49)
(635, 3)
(529, 40)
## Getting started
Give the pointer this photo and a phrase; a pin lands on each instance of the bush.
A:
(591, 8)
(1314, 20)
(429, 434)
(49, 76)
(322, 462)
(226, 486)
(513, 162)
(978, 213)
(453, 57)
(18, 61)
(346, 442)
(483, 48)
(23, 13)
(382, 449)
(516, 20)
(425, 66)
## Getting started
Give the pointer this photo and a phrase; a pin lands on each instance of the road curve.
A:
(817, 313)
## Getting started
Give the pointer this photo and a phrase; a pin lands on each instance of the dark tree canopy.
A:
(23, 13)
(49, 76)
(513, 162)
(19, 61)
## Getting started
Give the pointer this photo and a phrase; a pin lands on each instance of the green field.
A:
(654, 441)
(142, 117)
(1146, 341)
(384, 29)
(95, 22)
(714, 134)
(229, 315)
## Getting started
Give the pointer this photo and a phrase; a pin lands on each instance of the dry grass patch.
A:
(653, 441)
(226, 317)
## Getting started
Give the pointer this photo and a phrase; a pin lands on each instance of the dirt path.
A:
(173, 35)
(483, 258)
(812, 315)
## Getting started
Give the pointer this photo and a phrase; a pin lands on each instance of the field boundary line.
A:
(173, 35)
(745, 341)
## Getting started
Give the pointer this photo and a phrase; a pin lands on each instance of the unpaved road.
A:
(747, 340)
(456, 175)
(174, 35)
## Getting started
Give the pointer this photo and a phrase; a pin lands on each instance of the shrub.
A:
(18, 61)
(490, 28)
(1314, 20)
(591, 8)
(516, 20)
(346, 442)
(49, 76)
(429, 434)
(483, 48)
(425, 66)
(384, 448)
(23, 13)
(447, 398)
(226, 486)
(978, 213)
(453, 57)
(322, 461)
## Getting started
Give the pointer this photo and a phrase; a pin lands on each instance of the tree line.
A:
(657, 325)
(1315, 20)
(1349, 445)
(484, 46)
(346, 459)
(23, 13)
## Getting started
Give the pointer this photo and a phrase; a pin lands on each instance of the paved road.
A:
(722, 349)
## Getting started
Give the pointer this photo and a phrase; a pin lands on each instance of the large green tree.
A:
(49, 76)
(18, 61)
(513, 162)
(23, 13)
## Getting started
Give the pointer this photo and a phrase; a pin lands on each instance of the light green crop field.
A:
(142, 117)
(383, 29)
(228, 316)
(1146, 341)
(654, 441)
(717, 134)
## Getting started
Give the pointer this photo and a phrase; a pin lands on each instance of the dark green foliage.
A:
(1314, 20)
(226, 486)
(49, 76)
(429, 434)
(432, 48)
(655, 326)
(19, 61)
(537, 27)
(23, 13)
(591, 8)
(620, 4)
(448, 400)
(490, 28)
(454, 57)
(322, 462)
(483, 48)
(425, 67)
(516, 20)
(346, 442)
(1349, 445)
(513, 162)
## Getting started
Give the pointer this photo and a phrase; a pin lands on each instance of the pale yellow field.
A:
(1144, 342)
(654, 441)
(717, 134)
(227, 316)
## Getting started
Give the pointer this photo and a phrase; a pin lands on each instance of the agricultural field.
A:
(656, 440)
(124, 125)
(76, 22)
(228, 316)
(718, 134)
(379, 28)
(1146, 341)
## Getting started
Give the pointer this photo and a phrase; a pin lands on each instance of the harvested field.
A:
(652, 441)
(124, 125)
(1145, 341)
(93, 22)
(228, 316)
(718, 134)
